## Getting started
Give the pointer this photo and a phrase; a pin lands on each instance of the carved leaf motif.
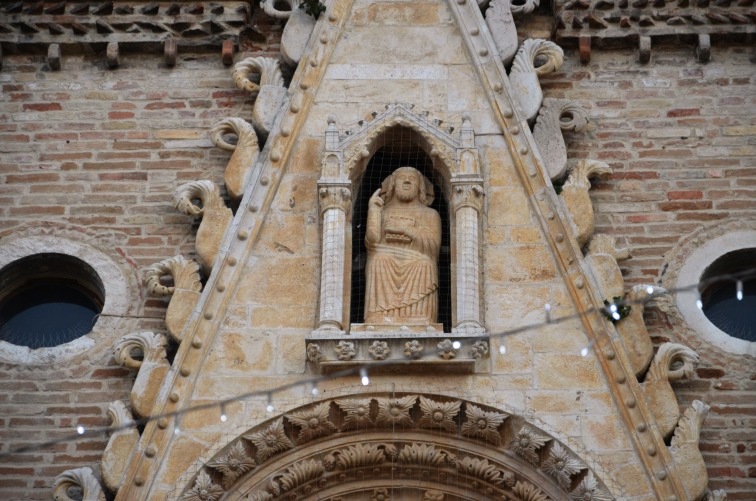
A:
(245, 133)
(689, 427)
(392, 411)
(483, 424)
(267, 67)
(446, 349)
(271, 440)
(345, 350)
(359, 455)
(590, 490)
(300, 473)
(423, 455)
(357, 413)
(439, 414)
(150, 344)
(79, 477)
(204, 489)
(526, 442)
(529, 492)
(482, 469)
(479, 349)
(233, 465)
(185, 274)
(561, 465)
(379, 350)
(204, 190)
(313, 422)
(672, 362)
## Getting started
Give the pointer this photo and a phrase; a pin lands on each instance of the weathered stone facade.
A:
(95, 155)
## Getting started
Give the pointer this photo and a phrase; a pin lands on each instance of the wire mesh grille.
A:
(399, 150)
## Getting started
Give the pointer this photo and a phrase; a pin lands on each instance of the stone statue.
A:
(403, 238)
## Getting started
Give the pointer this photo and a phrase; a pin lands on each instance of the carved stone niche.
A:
(454, 163)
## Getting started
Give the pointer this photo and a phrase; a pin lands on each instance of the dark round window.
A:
(728, 293)
(48, 299)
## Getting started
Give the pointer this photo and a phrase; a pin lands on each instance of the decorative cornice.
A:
(616, 21)
(136, 23)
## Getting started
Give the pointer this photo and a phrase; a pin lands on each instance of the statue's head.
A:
(407, 182)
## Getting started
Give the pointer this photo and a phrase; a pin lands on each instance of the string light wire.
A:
(362, 370)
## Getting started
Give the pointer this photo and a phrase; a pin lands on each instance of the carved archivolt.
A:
(445, 447)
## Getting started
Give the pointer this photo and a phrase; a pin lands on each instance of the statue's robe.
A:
(402, 272)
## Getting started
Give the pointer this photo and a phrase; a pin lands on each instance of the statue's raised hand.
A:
(375, 200)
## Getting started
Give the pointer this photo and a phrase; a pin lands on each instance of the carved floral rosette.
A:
(351, 447)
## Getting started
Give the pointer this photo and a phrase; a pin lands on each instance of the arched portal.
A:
(397, 446)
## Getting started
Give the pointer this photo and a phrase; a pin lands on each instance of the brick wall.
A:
(680, 137)
(101, 151)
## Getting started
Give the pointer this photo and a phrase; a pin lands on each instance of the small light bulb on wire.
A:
(270, 407)
(547, 310)
(223, 416)
(315, 391)
(364, 377)
(456, 345)
(584, 351)
(502, 349)
(650, 290)
(739, 288)
(80, 430)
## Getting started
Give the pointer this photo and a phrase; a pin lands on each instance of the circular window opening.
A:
(48, 299)
(728, 293)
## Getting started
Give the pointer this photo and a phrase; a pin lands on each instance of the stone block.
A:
(234, 352)
(566, 371)
(604, 433)
(404, 14)
(508, 206)
(523, 263)
(381, 44)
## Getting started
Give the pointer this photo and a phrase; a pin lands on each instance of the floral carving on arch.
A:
(460, 449)
(455, 160)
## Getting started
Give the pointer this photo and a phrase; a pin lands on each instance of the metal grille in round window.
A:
(48, 299)
(728, 293)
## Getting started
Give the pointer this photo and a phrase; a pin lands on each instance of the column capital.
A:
(467, 194)
(334, 196)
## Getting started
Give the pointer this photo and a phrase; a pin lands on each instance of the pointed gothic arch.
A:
(404, 446)
(456, 169)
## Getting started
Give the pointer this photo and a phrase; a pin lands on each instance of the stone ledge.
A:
(397, 351)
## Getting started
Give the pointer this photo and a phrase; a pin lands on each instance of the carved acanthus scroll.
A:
(120, 447)
(685, 452)
(80, 478)
(603, 256)
(144, 351)
(270, 91)
(672, 362)
(556, 116)
(524, 74)
(245, 152)
(184, 292)
(638, 345)
(503, 30)
(576, 199)
(215, 216)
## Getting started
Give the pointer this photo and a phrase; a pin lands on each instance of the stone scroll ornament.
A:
(555, 117)
(578, 202)
(215, 216)
(144, 351)
(638, 345)
(403, 238)
(685, 453)
(672, 362)
(602, 257)
(120, 447)
(185, 291)
(296, 33)
(270, 91)
(245, 152)
(536, 57)
(503, 30)
(83, 480)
